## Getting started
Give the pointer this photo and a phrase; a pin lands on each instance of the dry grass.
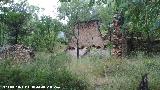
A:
(94, 73)
(117, 74)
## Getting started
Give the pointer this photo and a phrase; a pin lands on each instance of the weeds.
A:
(88, 73)
(43, 72)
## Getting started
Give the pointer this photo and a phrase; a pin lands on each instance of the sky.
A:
(50, 6)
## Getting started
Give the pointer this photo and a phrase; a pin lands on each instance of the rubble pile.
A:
(118, 38)
(119, 44)
(17, 52)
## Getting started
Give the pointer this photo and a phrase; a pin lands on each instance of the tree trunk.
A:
(78, 43)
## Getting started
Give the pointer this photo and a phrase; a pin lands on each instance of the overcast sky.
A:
(50, 6)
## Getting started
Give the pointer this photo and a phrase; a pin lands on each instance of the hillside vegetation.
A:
(89, 73)
(33, 47)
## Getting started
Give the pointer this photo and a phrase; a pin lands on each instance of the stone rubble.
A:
(17, 52)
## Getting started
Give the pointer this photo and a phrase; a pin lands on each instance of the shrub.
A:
(49, 72)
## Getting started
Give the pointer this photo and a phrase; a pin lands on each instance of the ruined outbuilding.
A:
(86, 35)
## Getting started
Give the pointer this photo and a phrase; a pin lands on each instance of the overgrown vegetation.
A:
(44, 71)
(20, 23)
(117, 74)
(87, 73)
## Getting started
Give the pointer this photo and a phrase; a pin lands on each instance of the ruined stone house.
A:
(88, 35)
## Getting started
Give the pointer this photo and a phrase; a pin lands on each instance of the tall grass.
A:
(45, 70)
(118, 74)
(87, 73)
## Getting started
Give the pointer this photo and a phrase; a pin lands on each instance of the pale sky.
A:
(50, 6)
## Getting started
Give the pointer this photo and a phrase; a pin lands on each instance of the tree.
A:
(5, 1)
(47, 28)
(76, 9)
(16, 16)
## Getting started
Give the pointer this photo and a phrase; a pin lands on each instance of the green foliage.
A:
(76, 10)
(15, 21)
(19, 23)
(117, 74)
(43, 71)
(126, 74)
(5, 1)
(3, 34)
(45, 34)
(15, 17)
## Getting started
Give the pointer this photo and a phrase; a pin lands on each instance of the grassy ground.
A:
(45, 70)
(88, 73)
(117, 74)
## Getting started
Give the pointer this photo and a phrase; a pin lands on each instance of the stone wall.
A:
(89, 36)
(17, 52)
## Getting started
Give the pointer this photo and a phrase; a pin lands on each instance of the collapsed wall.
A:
(17, 52)
(119, 40)
(88, 36)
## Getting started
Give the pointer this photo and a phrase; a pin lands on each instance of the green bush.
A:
(49, 72)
